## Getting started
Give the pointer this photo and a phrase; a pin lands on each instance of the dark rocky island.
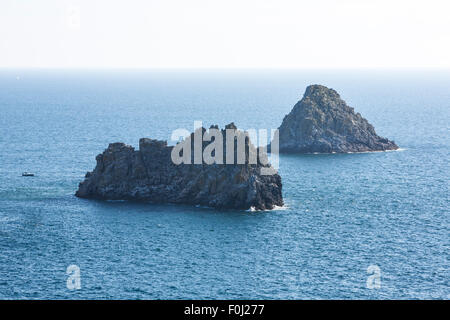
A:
(321, 122)
(149, 174)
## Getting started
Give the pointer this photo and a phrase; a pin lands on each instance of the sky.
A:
(224, 34)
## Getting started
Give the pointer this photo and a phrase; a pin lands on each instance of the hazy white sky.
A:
(225, 33)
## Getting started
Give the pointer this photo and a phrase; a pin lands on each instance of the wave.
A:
(351, 152)
(275, 208)
(399, 149)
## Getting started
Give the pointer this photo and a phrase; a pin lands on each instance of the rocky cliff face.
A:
(149, 174)
(323, 123)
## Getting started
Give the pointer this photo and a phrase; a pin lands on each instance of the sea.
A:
(354, 226)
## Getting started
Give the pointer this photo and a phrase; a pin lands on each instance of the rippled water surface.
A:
(343, 212)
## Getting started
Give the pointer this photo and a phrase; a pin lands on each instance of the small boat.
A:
(27, 174)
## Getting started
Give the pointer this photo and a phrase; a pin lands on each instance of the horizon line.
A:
(420, 68)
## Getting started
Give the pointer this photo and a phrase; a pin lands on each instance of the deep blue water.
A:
(343, 212)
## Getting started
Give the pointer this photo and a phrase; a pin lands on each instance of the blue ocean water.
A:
(343, 213)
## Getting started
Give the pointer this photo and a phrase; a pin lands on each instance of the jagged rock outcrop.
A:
(321, 122)
(149, 174)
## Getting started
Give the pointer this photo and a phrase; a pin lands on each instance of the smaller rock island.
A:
(150, 174)
(321, 122)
